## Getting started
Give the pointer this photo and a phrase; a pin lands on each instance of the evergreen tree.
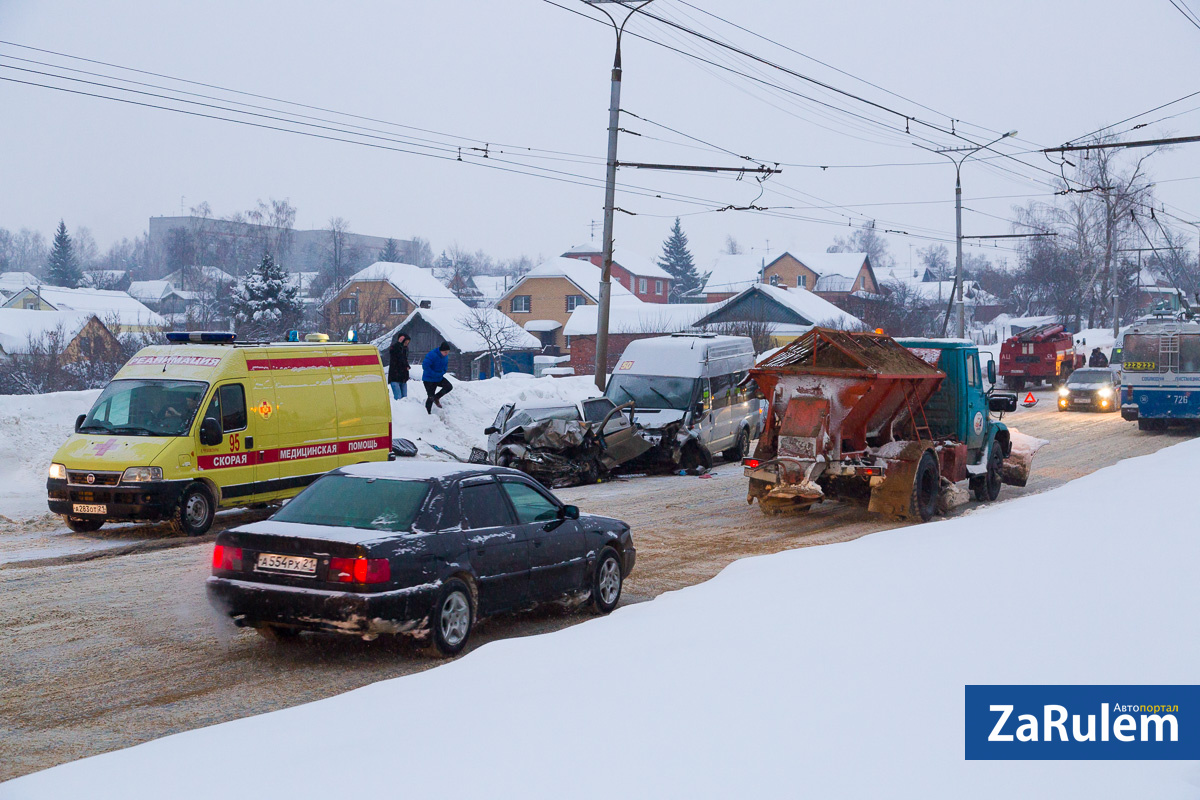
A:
(63, 268)
(264, 303)
(677, 260)
(391, 252)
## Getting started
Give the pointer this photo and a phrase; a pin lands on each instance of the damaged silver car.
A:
(566, 445)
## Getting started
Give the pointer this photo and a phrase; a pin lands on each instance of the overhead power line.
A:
(1182, 7)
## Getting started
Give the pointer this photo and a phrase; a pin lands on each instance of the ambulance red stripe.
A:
(311, 362)
(298, 453)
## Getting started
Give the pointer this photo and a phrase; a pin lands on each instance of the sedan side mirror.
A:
(210, 432)
(490, 429)
(79, 422)
(568, 512)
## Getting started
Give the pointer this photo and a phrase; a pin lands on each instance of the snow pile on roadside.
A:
(32, 427)
(472, 406)
(830, 672)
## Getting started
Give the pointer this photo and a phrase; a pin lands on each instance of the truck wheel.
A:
(196, 511)
(987, 486)
(83, 524)
(740, 448)
(926, 485)
(1016, 383)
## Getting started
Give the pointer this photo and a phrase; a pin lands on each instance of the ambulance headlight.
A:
(141, 474)
(58, 472)
(1105, 393)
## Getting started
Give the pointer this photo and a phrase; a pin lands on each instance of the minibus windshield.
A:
(145, 408)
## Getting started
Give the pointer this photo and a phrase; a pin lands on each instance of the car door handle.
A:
(480, 551)
(537, 542)
(249, 442)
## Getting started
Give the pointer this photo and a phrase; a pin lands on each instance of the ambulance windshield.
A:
(145, 408)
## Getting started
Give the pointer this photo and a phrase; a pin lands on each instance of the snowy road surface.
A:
(849, 686)
(107, 653)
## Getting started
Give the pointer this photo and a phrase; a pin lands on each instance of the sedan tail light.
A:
(359, 570)
(227, 558)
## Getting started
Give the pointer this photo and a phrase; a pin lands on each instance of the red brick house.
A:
(644, 279)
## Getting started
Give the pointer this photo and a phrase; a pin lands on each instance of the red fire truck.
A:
(1041, 353)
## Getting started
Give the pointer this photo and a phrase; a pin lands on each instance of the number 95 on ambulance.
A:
(203, 423)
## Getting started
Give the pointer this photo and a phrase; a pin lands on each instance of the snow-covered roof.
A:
(453, 325)
(638, 318)
(582, 273)
(186, 275)
(845, 264)
(18, 324)
(493, 287)
(416, 283)
(734, 273)
(541, 325)
(13, 282)
(814, 308)
(150, 291)
(104, 303)
(303, 281)
(632, 261)
(973, 294)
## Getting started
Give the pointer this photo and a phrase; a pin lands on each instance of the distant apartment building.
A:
(241, 243)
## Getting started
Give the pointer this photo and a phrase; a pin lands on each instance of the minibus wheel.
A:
(196, 510)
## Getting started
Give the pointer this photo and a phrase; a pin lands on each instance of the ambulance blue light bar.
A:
(198, 337)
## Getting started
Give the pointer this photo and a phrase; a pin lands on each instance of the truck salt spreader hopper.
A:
(863, 418)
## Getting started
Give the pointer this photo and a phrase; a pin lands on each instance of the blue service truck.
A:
(890, 424)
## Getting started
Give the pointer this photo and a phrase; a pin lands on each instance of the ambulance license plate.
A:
(84, 508)
(276, 563)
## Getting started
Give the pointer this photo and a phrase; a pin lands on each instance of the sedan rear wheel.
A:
(452, 618)
(607, 582)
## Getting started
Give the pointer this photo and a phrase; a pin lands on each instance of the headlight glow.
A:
(1063, 391)
(58, 472)
(1105, 393)
(142, 474)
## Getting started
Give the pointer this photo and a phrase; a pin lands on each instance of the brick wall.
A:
(583, 350)
(630, 281)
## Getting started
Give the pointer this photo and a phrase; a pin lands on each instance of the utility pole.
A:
(610, 183)
(949, 152)
(610, 187)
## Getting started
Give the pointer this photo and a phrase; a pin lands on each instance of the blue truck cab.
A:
(962, 408)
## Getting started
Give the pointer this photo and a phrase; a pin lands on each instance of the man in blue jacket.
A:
(433, 369)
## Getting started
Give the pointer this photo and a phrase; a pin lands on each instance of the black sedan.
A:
(1090, 389)
(417, 548)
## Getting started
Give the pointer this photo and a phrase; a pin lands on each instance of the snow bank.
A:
(472, 406)
(825, 672)
(32, 427)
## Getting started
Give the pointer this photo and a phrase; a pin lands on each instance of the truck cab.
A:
(961, 407)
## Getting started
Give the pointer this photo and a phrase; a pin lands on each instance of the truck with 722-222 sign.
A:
(207, 422)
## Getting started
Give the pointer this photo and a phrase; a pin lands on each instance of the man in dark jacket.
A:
(398, 366)
(433, 369)
(1098, 359)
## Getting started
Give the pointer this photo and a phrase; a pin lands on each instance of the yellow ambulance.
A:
(206, 422)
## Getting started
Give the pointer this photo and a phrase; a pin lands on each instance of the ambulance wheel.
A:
(83, 524)
(196, 511)
(926, 487)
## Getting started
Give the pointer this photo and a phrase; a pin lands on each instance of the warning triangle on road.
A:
(1029, 398)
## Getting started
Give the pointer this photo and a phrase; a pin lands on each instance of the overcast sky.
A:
(525, 73)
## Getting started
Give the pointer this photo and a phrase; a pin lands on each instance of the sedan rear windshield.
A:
(343, 501)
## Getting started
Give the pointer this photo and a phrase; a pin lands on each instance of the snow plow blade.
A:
(894, 495)
(1015, 469)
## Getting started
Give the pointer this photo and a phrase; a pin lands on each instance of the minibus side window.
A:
(232, 407)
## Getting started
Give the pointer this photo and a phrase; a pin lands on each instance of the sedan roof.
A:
(420, 470)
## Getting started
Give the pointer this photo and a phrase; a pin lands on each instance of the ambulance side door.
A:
(229, 463)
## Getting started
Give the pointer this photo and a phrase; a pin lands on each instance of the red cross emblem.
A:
(104, 447)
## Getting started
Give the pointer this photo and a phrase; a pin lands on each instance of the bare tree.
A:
(732, 248)
(499, 333)
(760, 331)
(335, 248)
